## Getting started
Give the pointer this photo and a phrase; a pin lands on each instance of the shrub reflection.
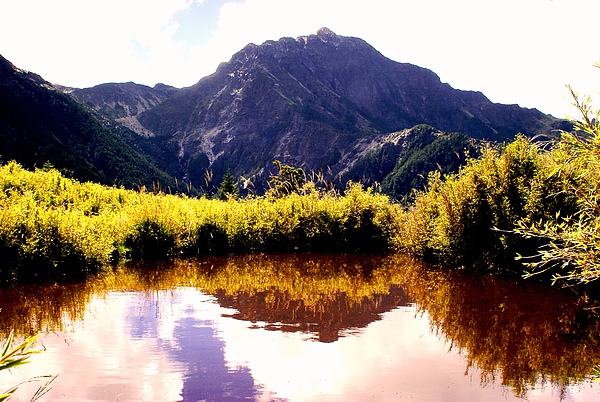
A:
(519, 334)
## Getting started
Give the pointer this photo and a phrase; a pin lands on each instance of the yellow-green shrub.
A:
(468, 219)
(571, 241)
(54, 226)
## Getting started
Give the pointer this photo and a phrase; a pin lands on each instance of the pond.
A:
(303, 327)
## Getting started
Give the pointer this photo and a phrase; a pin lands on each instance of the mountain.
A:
(401, 162)
(123, 102)
(320, 102)
(40, 124)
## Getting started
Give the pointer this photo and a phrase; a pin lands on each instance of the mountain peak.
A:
(326, 33)
(315, 102)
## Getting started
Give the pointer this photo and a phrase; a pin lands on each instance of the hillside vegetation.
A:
(39, 124)
(522, 201)
(402, 165)
(534, 201)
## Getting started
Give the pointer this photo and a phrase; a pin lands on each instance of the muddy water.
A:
(303, 328)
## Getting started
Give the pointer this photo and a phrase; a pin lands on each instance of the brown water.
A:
(304, 328)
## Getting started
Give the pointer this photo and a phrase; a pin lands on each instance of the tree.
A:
(228, 188)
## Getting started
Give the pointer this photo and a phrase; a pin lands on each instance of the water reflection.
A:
(207, 375)
(518, 334)
(305, 327)
(327, 319)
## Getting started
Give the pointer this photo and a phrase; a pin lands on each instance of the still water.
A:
(303, 328)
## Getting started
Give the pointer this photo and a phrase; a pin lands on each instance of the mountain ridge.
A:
(40, 124)
(311, 102)
(322, 102)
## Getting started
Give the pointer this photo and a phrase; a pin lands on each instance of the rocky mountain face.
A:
(319, 102)
(123, 102)
(39, 124)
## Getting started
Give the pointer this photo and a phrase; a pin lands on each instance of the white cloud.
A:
(514, 51)
(83, 42)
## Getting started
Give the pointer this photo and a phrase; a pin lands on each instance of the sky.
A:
(514, 51)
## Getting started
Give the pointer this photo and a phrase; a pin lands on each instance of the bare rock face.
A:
(319, 102)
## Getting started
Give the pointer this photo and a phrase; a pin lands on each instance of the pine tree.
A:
(228, 188)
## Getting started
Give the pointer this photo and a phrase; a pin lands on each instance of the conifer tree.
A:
(228, 188)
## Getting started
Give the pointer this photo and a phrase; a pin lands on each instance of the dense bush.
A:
(468, 219)
(539, 205)
(571, 249)
(51, 226)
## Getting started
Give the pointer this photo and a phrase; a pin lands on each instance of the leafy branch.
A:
(17, 355)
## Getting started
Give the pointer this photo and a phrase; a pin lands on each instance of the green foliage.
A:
(468, 219)
(403, 164)
(445, 153)
(150, 240)
(210, 239)
(375, 165)
(572, 239)
(14, 356)
(40, 124)
(288, 180)
(519, 201)
(17, 355)
(52, 227)
(228, 188)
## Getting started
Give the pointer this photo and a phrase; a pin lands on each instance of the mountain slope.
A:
(401, 162)
(315, 102)
(40, 124)
(123, 102)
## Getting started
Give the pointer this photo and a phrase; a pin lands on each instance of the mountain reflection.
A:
(276, 310)
(520, 335)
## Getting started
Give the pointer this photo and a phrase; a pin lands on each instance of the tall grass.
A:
(518, 199)
(52, 226)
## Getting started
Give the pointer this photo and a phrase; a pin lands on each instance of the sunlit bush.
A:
(52, 226)
(467, 220)
(571, 241)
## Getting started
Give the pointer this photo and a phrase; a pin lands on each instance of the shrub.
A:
(52, 227)
(467, 220)
(571, 241)
(210, 240)
(150, 240)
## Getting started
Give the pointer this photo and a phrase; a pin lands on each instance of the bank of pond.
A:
(304, 326)
(507, 203)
